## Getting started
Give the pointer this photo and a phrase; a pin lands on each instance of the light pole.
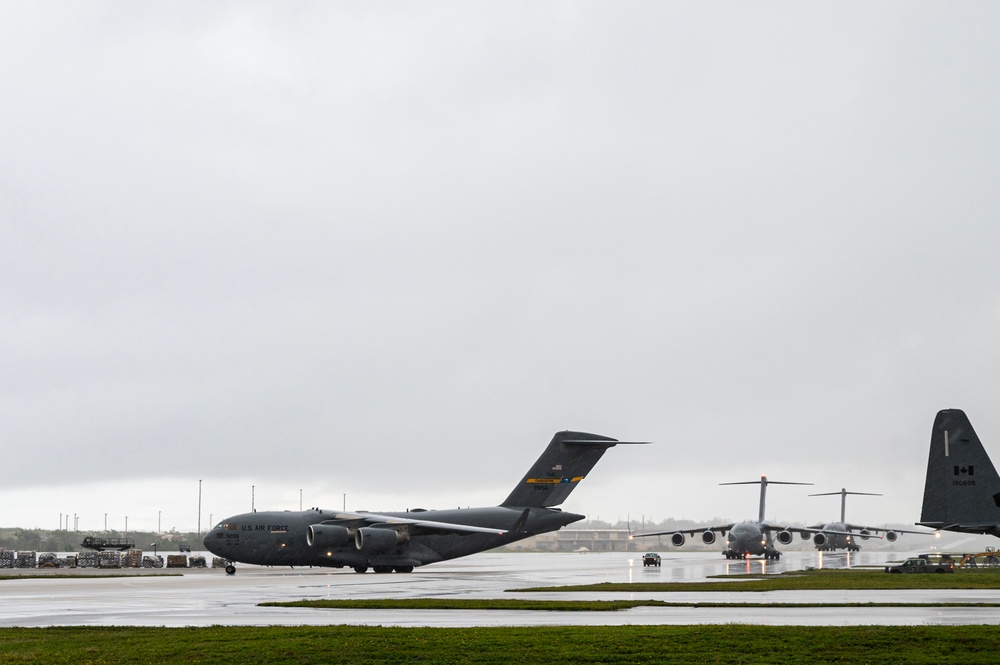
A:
(199, 506)
(105, 521)
(126, 526)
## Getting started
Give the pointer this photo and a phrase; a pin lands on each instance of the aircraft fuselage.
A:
(284, 538)
(836, 541)
(749, 539)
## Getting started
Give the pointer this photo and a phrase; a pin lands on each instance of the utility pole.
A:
(105, 521)
(199, 507)
(300, 501)
(253, 491)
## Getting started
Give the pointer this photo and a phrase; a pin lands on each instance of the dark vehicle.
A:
(101, 544)
(650, 559)
(922, 565)
(183, 547)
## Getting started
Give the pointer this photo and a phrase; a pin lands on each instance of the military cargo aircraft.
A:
(400, 541)
(747, 538)
(842, 535)
(962, 489)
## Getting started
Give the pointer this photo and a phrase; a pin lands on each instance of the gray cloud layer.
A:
(399, 245)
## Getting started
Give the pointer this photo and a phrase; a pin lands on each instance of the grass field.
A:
(731, 645)
(842, 579)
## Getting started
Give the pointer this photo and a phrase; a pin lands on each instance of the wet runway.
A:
(210, 597)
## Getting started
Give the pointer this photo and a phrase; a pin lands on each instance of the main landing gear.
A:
(230, 569)
(383, 569)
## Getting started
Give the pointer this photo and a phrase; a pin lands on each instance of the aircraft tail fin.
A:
(962, 489)
(566, 461)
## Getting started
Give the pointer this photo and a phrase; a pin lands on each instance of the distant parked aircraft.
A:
(747, 538)
(843, 535)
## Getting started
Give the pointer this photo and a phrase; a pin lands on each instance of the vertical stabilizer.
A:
(962, 489)
(566, 461)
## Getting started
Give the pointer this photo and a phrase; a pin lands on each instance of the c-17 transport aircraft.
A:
(747, 538)
(962, 489)
(399, 542)
(842, 535)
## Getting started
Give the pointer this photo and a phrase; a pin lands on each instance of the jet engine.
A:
(785, 537)
(677, 539)
(708, 537)
(368, 539)
(328, 535)
(864, 534)
(891, 536)
(820, 539)
(805, 535)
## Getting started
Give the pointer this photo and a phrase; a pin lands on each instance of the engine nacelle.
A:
(785, 537)
(819, 539)
(805, 535)
(328, 535)
(864, 534)
(677, 539)
(368, 539)
(891, 536)
(708, 537)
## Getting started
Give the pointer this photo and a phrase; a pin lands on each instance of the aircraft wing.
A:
(353, 520)
(805, 530)
(723, 529)
(879, 530)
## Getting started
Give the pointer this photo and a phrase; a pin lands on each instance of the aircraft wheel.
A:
(230, 569)
(404, 569)
(361, 569)
(382, 569)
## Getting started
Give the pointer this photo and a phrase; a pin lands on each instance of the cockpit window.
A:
(228, 526)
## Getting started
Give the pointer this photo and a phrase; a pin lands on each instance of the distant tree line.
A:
(42, 540)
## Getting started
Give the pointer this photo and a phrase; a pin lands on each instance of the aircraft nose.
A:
(209, 541)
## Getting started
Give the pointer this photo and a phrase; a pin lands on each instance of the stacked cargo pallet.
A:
(48, 560)
(7, 558)
(86, 559)
(109, 560)
(25, 560)
(131, 558)
(177, 561)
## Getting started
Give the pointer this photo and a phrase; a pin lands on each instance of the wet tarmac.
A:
(210, 597)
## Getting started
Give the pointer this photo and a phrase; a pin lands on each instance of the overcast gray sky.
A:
(386, 250)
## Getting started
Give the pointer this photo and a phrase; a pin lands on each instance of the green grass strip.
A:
(819, 580)
(730, 644)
